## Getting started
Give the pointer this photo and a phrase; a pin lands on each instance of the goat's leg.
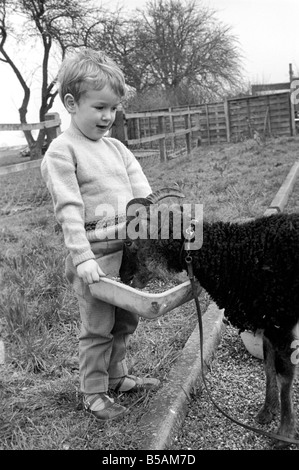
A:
(271, 405)
(285, 372)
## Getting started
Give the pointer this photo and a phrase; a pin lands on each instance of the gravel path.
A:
(237, 384)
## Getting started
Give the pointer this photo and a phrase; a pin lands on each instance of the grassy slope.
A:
(40, 402)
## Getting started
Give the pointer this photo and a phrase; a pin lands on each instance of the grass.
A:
(12, 155)
(41, 405)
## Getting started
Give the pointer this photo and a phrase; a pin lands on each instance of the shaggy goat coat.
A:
(252, 270)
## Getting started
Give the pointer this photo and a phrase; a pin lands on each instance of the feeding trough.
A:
(145, 304)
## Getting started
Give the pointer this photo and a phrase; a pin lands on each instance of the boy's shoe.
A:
(103, 407)
(131, 383)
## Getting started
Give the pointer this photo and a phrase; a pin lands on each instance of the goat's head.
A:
(146, 243)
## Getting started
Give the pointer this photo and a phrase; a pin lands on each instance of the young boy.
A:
(86, 172)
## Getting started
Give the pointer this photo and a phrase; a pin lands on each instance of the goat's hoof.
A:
(278, 445)
(290, 433)
(265, 416)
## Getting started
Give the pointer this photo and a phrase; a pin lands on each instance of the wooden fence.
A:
(172, 131)
(52, 126)
(167, 132)
(52, 122)
(266, 114)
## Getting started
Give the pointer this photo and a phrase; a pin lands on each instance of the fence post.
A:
(52, 132)
(137, 128)
(172, 129)
(188, 135)
(208, 123)
(227, 120)
(150, 130)
(119, 130)
(292, 112)
(162, 143)
(267, 121)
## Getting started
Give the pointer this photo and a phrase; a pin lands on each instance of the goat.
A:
(251, 270)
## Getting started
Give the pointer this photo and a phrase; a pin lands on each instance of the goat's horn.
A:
(151, 199)
(133, 204)
(163, 193)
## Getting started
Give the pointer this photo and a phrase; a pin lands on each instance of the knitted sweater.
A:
(86, 177)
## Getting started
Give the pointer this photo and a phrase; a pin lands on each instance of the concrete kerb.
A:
(281, 198)
(169, 406)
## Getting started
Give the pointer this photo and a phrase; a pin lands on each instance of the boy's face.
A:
(94, 114)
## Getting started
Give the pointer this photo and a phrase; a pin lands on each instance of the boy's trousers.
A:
(105, 329)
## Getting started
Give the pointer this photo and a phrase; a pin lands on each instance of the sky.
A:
(267, 32)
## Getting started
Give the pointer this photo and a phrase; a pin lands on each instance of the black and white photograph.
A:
(149, 228)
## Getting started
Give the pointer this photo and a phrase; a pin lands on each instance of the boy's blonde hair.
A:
(89, 69)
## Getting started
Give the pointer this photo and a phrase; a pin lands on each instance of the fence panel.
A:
(212, 123)
(265, 114)
(185, 127)
(169, 131)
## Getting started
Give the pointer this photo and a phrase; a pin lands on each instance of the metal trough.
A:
(145, 304)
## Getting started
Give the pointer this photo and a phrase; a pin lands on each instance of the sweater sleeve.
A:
(59, 173)
(138, 181)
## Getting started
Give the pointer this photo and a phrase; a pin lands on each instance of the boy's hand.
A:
(90, 271)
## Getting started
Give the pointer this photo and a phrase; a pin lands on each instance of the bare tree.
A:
(120, 37)
(186, 48)
(57, 25)
(172, 47)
